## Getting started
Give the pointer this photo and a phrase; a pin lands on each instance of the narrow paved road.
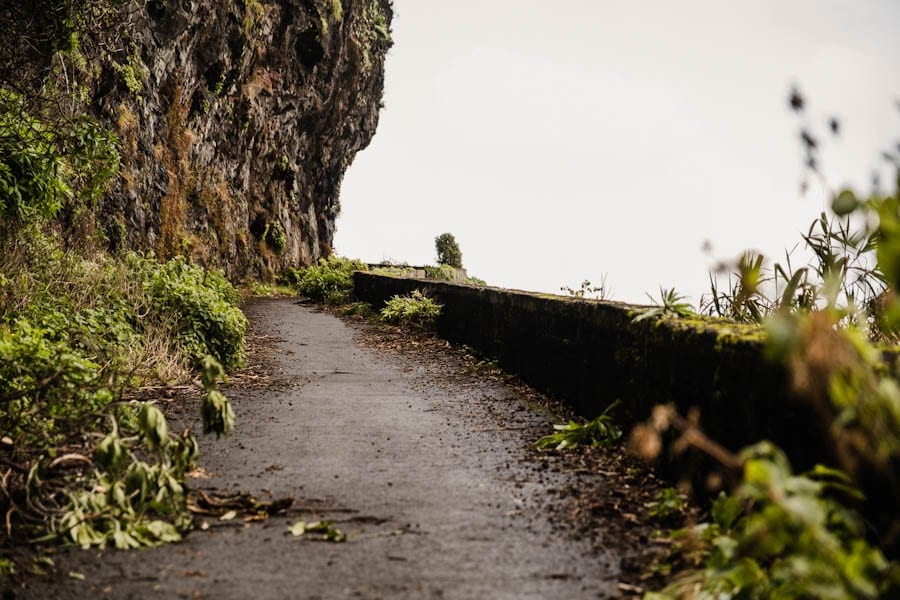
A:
(417, 470)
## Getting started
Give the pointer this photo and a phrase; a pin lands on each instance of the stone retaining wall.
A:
(590, 353)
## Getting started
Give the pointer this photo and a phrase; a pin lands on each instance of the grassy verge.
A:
(86, 341)
(83, 460)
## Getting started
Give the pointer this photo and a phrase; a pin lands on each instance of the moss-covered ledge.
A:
(590, 353)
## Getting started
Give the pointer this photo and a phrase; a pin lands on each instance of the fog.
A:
(568, 140)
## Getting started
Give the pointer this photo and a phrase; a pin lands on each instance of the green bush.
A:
(45, 165)
(448, 252)
(92, 158)
(440, 273)
(445, 273)
(331, 279)
(74, 331)
(31, 167)
(201, 304)
(275, 237)
(45, 380)
(417, 309)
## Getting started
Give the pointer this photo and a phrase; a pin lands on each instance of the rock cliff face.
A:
(237, 120)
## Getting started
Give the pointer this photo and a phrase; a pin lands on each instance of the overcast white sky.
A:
(565, 140)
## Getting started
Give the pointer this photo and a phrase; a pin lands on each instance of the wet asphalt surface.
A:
(427, 475)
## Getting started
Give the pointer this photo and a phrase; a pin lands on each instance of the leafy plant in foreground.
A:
(127, 502)
(215, 408)
(781, 535)
(597, 432)
(416, 309)
(75, 335)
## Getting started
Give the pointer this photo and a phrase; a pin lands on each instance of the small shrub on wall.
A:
(448, 252)
(417, 310)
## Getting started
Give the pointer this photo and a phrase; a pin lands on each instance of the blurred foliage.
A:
(780, 535)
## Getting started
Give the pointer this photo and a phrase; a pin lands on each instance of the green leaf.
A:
(154, 427)
(746, 575)
(217, 413)
(726, 510)
(298, 528)
(328, 531)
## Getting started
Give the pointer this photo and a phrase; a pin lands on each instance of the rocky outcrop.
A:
(237, 120)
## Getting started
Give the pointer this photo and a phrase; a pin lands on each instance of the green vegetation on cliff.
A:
(86, 453)
(80, 337)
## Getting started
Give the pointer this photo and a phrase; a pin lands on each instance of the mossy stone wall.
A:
(589, 353)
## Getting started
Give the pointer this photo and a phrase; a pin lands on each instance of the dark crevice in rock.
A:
(156, 9)
(309, 47)
(258, 226)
